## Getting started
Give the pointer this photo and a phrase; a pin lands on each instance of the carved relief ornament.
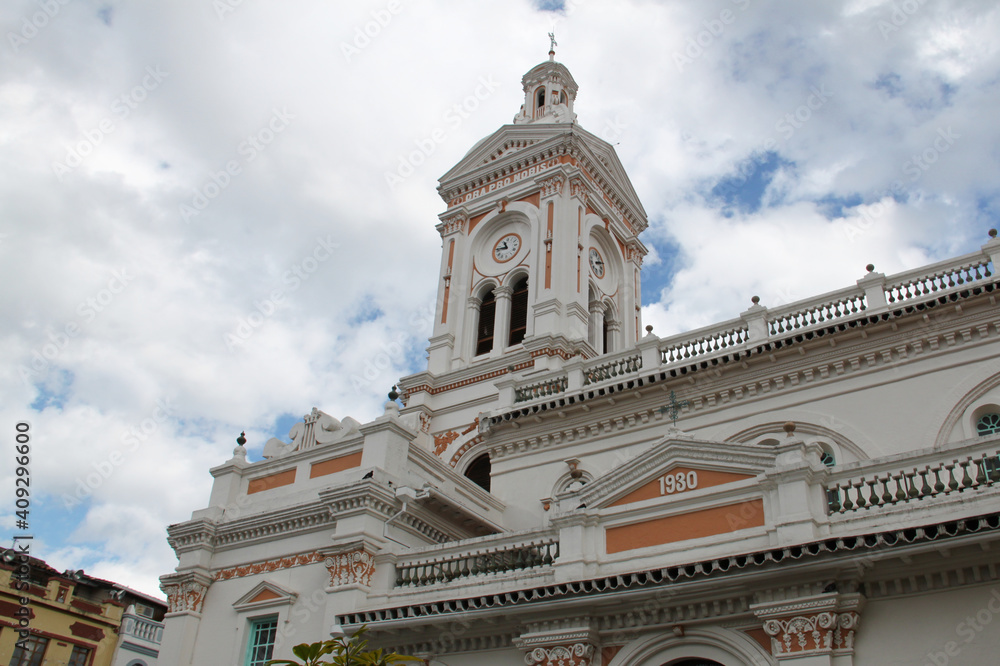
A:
(577, 654)
(354, 567)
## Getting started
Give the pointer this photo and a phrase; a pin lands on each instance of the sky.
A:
(216, 214)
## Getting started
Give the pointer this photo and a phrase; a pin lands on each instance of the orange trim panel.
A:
(334, 465)
(684, 526)
(285, 478)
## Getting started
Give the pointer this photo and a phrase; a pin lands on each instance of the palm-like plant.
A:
(343, 651)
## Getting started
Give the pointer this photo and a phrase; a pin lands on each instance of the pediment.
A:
(513, 143)
(265, 595)
(676, 464)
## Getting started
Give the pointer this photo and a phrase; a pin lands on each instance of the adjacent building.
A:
(811, 484)
(74, 619)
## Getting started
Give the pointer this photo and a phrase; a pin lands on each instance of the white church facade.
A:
(816, 484)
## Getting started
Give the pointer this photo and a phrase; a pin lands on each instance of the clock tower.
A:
(540, 253)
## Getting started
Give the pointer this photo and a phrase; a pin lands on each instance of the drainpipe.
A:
(408, 495)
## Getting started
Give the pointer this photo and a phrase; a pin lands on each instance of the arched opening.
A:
(518, 312)
(604, 334)
(539, 101)
(479, 470)
(487, 321)
(988, 424)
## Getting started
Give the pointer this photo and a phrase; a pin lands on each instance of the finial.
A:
(789, 428)
(649, 328)
(871, 268)
(552, 45)
(755, 299)
(993, 233)
(242, 439)
(393, 394)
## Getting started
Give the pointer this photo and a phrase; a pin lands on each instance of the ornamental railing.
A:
(835, 306)
(534, 554)
(719, 338)
(879, 486)
(541, 389)
(616, 367)
(142, 628)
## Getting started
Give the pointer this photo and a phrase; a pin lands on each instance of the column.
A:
(597, 326)
(501, 327)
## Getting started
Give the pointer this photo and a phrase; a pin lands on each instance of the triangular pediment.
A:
(514, 145)
(674, 465)
(264, 595)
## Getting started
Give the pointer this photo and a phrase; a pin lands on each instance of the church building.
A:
(815, 484)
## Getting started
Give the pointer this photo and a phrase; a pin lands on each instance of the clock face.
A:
(596, 263)
(507, 247)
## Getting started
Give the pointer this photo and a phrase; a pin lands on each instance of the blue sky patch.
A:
(54, 392)
(834, 207)
(283, 424)
(743, 190)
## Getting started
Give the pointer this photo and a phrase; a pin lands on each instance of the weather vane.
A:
(674, 408)
(552, 42)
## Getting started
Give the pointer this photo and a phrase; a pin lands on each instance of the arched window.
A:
(604, 333)
(518, 312)
(988, 424)
(487, 320)
(827, 458)
(479, 470)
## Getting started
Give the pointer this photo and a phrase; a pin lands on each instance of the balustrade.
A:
(943, 280)
(478, 563)
(612, 369)
(927, 481)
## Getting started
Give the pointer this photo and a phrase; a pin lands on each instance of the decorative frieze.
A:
(577, 654)
(185, 592)
(268, 566)
(354, 567)
(553, 185)
(815, 633)
(453, 224)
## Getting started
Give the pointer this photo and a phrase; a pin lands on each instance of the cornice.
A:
(204, 534)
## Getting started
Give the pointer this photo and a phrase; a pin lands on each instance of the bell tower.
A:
(540, 250)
